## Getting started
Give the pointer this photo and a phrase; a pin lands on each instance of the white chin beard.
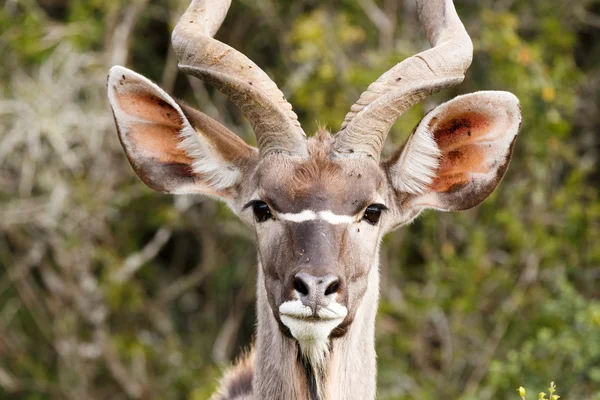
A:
(312, 334)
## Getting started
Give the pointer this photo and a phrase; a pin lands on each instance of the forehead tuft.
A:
(292, 184)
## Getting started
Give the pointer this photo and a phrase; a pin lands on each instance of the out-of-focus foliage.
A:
(111, 291)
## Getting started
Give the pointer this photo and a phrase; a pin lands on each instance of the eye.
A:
(373, 213)
(262, 212)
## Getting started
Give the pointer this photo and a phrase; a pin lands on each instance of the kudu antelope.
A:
(319, 206)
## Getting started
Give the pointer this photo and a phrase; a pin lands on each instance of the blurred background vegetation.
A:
(111, 291)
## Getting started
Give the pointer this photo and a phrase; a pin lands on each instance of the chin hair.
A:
(315, 354)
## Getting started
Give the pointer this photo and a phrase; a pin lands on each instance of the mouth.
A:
(311, 319)
(295, 309)
(306, 325)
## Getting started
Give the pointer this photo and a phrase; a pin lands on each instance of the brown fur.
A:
(237, 381)
(318, 168)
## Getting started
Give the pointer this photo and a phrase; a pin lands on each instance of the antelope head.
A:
(319, 206)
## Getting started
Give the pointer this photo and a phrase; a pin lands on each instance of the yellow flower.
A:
(548, 94)
(521, 391)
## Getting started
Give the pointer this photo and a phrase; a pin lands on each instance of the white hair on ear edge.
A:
(215, 171)
(207, 162)
(417, 165)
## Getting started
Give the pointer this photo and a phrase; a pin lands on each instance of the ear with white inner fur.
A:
(172, 147)
(458, 153)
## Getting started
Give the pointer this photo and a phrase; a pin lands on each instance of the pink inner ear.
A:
(466, 148)
(149, 108)
(160, 142)
(154, 127)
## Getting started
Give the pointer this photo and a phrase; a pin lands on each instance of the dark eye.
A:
(261, 211)
(373, 213)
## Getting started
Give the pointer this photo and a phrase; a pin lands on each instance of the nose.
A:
(316, 291)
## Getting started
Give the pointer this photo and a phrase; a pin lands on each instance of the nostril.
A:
(332, 288)
(300, 286)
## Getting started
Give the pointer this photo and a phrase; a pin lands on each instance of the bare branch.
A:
(135, 261)
(185, 283)
(381, 21)
(118, 371)
(119, 42)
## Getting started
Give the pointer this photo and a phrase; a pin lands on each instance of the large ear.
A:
(172, 147)
(458, 153)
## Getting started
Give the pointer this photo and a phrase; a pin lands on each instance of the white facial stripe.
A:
(332, 218)
(306, 215)
(309, 215)
(379, 199)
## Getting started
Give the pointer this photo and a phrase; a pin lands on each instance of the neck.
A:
(350, 370)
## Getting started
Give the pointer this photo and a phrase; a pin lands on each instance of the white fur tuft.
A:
(217, 172)
(416, 168)
(315, 352)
